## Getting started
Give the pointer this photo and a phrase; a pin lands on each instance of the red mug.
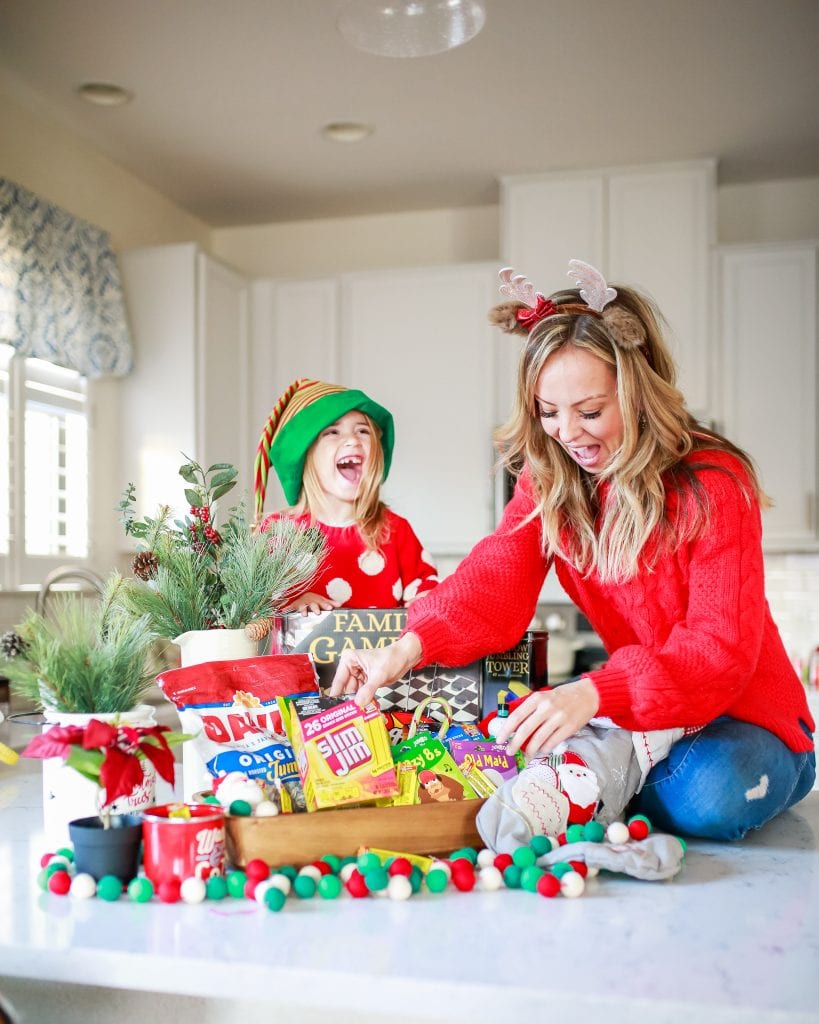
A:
(190, 844)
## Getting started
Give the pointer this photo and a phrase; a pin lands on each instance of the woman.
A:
(652, 523)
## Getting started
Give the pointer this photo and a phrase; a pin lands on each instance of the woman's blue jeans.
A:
(725, 780)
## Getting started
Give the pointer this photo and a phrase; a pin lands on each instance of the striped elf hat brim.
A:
(305, 409)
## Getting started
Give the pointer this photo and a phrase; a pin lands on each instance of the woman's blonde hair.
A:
(630, 528)
(370, 512)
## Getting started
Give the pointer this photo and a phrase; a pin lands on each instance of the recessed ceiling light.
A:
(346, 131)
(104, 94)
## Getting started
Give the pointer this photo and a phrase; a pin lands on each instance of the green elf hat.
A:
(297, 419)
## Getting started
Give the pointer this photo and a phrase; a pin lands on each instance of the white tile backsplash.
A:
(792, 588)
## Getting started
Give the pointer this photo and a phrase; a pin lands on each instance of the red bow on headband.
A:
(529, 317)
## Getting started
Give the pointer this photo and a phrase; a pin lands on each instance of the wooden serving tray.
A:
(433, 829)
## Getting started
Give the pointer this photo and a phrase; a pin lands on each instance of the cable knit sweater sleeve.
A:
(685, 639)
(488, 603)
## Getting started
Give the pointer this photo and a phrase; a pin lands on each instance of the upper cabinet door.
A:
(768, 328)
(650, 227)
(418, 342)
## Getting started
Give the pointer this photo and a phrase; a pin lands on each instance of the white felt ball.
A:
(618, 833)
(441, 865)
(83, 886)
(57, 858)
(485, 858)
(192, 890)
(281, 882)
(572, 884)
(346, 871)
(312, 871)
(592, 872)
(262, 887)
(266, 809)
(399, 888)
(490, 879)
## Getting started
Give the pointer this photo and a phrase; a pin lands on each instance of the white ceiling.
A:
(230, 96)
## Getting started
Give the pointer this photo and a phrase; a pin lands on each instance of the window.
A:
(43, 468)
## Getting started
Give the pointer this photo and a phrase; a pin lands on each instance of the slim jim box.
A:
(471, 690)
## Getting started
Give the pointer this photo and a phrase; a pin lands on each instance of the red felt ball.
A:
(561, 839)
(356, 886)
(46, 857)
(637, 828)
(257, 869)
(400, 866)
(580, 867)
(168, 890)
(502, 861)
(249, 889)
(322, 866)
(59, 883)
(463, 880)
(548, 885)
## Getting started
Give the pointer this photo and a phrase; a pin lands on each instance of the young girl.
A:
(653, 525)
(331, 448)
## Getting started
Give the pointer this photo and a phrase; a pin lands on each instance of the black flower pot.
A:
(100, 851)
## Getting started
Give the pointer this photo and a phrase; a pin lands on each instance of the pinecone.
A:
(145, 565)
(12, 644)
(258, 629)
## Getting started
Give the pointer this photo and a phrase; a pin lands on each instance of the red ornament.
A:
(502, 861)
(637, 828)
(400, 866)
(257, 869)
(168, 891)
(356, 886)
(59, 883)
(548, 885)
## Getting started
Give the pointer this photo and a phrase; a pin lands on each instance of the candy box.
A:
(437, 779)
(342, 751)
(486, 757)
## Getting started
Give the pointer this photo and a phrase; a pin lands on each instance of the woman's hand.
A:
(363, 672)
(549, 717)
(312, 603)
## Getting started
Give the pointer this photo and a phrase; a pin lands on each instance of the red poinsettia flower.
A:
(110, 754)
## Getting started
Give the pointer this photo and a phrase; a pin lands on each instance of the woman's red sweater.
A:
(687, 641)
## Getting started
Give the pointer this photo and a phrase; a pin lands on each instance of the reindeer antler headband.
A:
(528, 307)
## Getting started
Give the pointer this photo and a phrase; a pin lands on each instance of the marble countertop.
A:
(733, 938)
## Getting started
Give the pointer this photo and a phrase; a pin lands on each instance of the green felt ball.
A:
(109, 888)
(540, 845)
(140, 890)
(52, 866)
(560, 869)
(42, 879)
(529, 878)
(241, 809)
(274, 899)
(523, 857)
(682, 843)
(329, 887)
(575, 834)
(333, 861)
(377, 879)
(511, 876)
(65, 851)
(437, 880)
(348, 860)
(594, 832)
(368, 862)
(236, 884)
(288, 870)
(465, 853)
(211, 798)
(216, 888)
(304, 886)
(416, 878)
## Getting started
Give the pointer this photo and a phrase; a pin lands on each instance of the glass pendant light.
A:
(414, 28)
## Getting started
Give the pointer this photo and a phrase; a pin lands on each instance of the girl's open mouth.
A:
(351, 468)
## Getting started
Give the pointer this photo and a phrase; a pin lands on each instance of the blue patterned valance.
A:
(60, 292)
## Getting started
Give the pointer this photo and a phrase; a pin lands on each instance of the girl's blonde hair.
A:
(370, 512)
(627, 531)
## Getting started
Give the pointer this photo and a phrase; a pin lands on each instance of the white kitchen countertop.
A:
(734, 938)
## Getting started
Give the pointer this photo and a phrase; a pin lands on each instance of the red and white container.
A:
(183, 841)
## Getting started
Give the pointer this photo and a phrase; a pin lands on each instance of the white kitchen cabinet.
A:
(188, 392)
(768, 334)
(649, 226)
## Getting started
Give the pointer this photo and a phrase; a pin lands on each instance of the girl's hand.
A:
(311, 603)
(363, 672)
(549, 717)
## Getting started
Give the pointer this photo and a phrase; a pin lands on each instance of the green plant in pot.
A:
(199, 574)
